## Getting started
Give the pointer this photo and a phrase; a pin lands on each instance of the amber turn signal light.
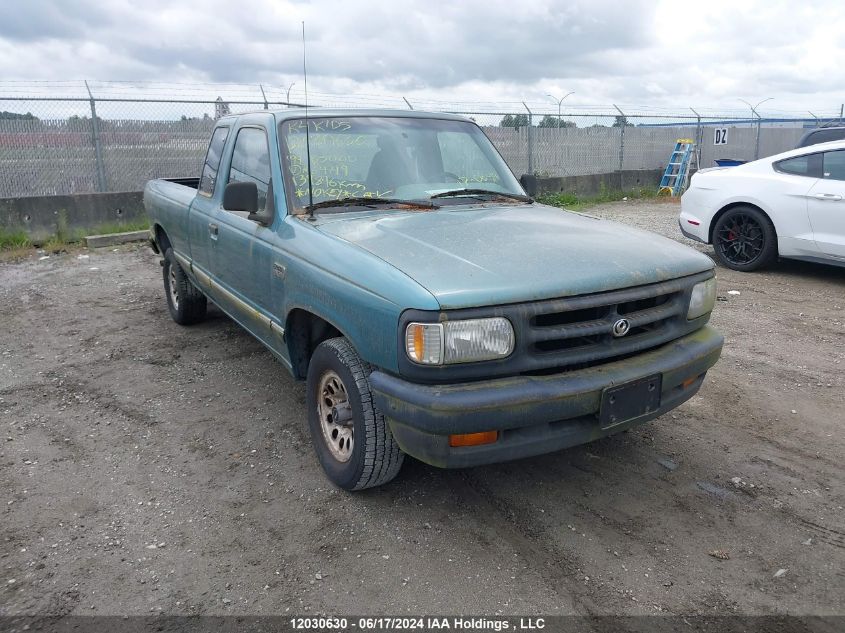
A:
(473, 439)
(689, 381)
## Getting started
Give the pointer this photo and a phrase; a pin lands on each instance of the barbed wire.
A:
(205, 92)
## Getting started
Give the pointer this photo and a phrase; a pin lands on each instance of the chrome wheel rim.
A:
(335, 414)
(174, 292)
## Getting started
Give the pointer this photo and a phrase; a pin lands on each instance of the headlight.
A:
(464, 341)
(703, 299)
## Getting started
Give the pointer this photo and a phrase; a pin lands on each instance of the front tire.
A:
(187, 304)
(744, 239)
(351, 437)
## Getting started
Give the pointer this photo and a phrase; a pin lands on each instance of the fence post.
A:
(530, 140)
(95, 137)
(698, 138)
(263, 96)
(757, 138)
(624, 124)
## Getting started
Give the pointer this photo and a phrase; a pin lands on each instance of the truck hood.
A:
(490, 255)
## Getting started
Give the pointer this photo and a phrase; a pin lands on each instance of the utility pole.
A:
(559, 101)
(759, 120)
(559, 125)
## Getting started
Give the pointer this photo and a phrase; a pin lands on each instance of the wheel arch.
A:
(161, 238)
(304, 331)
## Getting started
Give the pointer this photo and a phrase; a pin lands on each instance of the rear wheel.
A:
(187, 304)
(351, 437)
(744, 239)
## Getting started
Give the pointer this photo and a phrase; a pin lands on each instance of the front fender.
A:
(359, 294)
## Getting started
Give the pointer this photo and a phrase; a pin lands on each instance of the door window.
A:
(834, 165)
(251, 162)
(208, 178)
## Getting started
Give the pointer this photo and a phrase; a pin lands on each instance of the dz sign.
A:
(720, 136)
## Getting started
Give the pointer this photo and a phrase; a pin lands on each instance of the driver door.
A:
(244, 249)
(826, 205)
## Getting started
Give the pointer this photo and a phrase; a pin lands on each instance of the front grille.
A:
(571, 333)
(557, 337)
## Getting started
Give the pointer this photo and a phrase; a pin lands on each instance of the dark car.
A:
(821, 135)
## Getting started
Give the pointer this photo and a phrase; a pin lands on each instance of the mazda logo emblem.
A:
(621, 327)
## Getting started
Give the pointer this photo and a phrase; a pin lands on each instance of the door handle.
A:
(828, 196)
(213, 229)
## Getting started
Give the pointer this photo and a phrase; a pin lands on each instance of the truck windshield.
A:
(398, 159)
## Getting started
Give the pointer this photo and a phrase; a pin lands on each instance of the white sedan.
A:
(788, 205)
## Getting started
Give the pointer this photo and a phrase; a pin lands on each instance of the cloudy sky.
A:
(706, 54)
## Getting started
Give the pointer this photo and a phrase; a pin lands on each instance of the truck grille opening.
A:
(566, 343)
(553, 371)
(642, 304)
(574, 316)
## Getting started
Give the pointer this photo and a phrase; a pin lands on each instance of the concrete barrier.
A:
(42, 217)
(592, 184)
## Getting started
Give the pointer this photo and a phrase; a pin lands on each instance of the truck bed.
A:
(167, 202)
(193, 182)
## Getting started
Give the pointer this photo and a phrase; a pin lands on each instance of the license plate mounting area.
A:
(631, 400)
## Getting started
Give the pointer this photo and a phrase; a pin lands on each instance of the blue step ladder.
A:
(675, 177)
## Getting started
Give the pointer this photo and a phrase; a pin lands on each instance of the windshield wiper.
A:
(481, 192)
(368, 202)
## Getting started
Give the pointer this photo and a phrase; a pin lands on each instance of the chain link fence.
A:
(87, 142)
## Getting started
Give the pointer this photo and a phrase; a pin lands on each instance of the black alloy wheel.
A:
(744, 239)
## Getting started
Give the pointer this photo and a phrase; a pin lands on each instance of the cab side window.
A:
(251, 162)
(834, 165)
(208, 178)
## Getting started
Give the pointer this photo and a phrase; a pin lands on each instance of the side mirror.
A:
(529, 183)
(241, 196)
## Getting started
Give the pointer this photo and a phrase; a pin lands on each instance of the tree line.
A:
(15, 116)
(550, 120)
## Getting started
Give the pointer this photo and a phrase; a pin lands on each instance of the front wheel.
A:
(744, 239)
(351, 437)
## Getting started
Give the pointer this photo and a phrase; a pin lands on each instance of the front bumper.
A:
(534, 414)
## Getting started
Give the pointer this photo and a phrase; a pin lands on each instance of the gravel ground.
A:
(151, 468)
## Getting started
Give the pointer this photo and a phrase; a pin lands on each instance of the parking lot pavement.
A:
(149, 468)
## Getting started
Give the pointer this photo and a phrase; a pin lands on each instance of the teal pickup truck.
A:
(392, 261)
